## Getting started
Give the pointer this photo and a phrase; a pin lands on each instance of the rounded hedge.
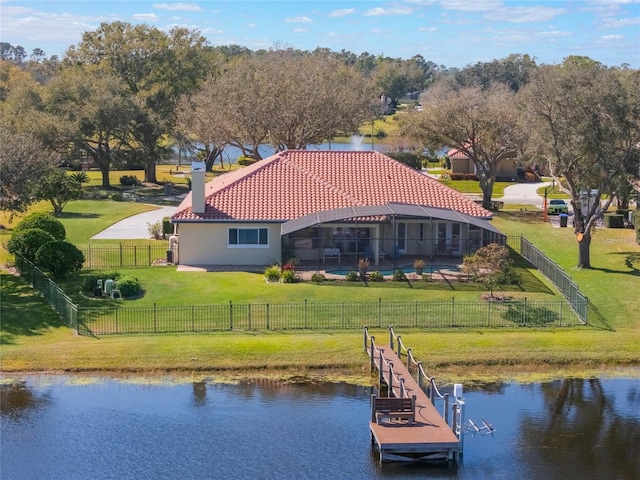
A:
(27, 242)
(60, 258)
(129, 286)
(43, 221)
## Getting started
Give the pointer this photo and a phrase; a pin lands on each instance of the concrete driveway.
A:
(135, 226)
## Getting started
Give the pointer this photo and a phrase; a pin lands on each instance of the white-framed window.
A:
(248, 238)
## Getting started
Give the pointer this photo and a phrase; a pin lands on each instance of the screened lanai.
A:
(392, 234)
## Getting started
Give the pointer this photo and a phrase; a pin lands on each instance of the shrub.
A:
(80, 177)
(272, 273)
(289, 276)
(410, 159)
(457, 176)
(27, 242)
(167, 226)
(90, 282)
(244, 161)
(399, 276)
(117, 197)
(376, 276)
(129, 180)
(43, 221)
(613, 220)
(318, 278)
(129, 286)
(351, 276)
(155, 230)
(60, 258)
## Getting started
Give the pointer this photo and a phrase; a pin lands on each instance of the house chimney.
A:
(197, 186)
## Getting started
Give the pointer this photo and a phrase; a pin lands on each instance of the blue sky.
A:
(453, 33)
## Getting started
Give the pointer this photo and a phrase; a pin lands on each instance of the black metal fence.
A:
(557, 275)
(124, 254)
(328, 316)
(51, 292)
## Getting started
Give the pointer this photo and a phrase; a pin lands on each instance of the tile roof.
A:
(294, 183)
(455, 153)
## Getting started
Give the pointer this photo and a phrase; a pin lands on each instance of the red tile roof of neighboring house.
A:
(455, 153)
(294, 183)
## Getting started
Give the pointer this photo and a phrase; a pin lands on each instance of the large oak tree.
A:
(479, 122)
(582, 123)
(158, 69)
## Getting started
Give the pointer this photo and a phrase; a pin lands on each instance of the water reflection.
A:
(586, 429)
(569, 429)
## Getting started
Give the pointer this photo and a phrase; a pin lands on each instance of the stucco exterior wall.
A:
(208, 244)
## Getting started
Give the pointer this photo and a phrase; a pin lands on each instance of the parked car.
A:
(557, 206)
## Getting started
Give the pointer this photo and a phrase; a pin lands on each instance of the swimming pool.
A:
(405, 268)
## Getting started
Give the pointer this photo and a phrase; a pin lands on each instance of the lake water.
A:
(97, 428)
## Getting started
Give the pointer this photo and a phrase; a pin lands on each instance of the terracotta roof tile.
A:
(294, 183)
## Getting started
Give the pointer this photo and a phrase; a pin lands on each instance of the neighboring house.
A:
(461, 163)
(310, 203)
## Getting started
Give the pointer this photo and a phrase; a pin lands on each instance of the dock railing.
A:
(425, 382)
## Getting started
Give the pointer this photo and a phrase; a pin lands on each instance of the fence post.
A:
(305, 313)
(249, 315)
(230, 315)
(373, 364)
(416, 314)
(409, 360)
(453, 302)
(524, 313)
(149, 254)
(135, 255)
(121, 254)
(267, 316)
(193, 320)
(155, 320)
(117, 320)
(488, 314)
(400, 347)
(379, 312)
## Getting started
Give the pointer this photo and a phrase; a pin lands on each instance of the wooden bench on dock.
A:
(393, 408)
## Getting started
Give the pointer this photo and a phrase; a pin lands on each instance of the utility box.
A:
(109, 285)
(563, 219)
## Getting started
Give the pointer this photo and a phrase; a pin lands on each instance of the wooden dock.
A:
(429, 437)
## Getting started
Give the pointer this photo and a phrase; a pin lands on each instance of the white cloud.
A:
(145, 17)
(188, 7)
(298, 20)
(300, 29)
(524, 14)
(553, 34)
(621, 22)
(396, 10)
(471, 5)
(342, 12)
(607, 38)
(428, 29)
(252, 25)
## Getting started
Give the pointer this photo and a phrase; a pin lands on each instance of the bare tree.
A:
(284, 98)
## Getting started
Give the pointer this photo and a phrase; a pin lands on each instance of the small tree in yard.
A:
(59, 188)
(490, 266)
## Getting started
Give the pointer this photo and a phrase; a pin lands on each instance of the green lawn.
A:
(613, 282)
(473, 187)
(32, 339)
